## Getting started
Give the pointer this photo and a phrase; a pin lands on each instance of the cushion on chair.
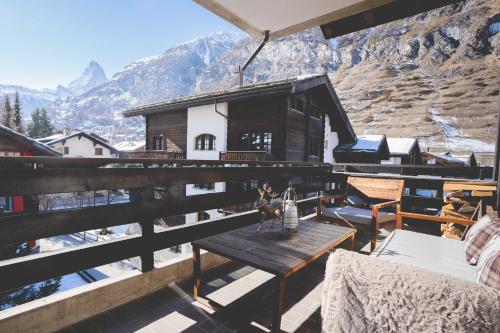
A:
(480, 236)
(429, 252)
(356, 215)
(488, 265)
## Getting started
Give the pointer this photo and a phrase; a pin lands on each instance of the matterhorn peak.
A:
(92, 76)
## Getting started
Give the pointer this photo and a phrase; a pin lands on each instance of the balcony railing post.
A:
(147, 227)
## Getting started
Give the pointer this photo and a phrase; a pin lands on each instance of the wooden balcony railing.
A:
(33, 176)
(244, 156)
(170, 155)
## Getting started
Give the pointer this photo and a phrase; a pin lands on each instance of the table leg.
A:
(196, 271)
(351, 247)
(279, 305)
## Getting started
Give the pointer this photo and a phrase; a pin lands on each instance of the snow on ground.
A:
(452, 139)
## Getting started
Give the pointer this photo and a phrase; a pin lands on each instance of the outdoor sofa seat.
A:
(357, 215)
(368, 294)
(428, 252)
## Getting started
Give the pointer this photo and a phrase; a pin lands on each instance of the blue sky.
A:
(49, 42)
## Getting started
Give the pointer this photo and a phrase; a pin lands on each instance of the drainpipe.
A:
(241, 69)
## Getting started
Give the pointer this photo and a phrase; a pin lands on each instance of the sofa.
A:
(415, 282)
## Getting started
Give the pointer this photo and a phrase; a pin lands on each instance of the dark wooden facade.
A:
(292, 111)
(172, 126)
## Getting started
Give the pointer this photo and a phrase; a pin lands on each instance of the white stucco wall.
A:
(82, 147)
(204, 120)
(331, 141)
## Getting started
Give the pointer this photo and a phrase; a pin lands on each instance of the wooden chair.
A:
(381, 192)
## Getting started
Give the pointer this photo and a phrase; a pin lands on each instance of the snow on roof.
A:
(129, 145)
(368, 142)
(400, 146)
(38, 146)
(50, 137)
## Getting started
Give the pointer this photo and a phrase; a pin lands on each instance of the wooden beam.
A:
(18, 272)
(389, 12)
(29, 182)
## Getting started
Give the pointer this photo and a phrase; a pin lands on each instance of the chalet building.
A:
(80, 144)
(299, 119)
(365, 149)
(403, 151)
(448, 159)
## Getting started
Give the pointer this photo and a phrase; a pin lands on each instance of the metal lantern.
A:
(290, 217)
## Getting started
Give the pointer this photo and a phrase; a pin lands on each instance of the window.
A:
(314, 146)
(205, 186)
(203, 216)
(98, 151)
(250, 185)
(66, 150)
(158, 142)
(297, 103)
(314, 111)
(205, 142)
(257, 141)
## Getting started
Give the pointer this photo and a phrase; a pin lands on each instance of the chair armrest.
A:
(385, 204)
(438, 219)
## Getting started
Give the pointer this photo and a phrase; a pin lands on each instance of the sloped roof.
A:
(88, 136)
(288, 86)
(401, 146)
(37, 148)
(364, 145)
(128, 146)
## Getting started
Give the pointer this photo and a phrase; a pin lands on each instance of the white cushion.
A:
(433, 253)
(356, 215)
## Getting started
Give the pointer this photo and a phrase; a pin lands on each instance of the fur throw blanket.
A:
(368, 294)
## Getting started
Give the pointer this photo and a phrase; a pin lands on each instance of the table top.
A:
(272, 251)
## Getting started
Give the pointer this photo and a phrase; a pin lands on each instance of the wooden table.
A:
(273, 252)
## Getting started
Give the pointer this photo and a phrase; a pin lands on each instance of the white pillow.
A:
(483, 221)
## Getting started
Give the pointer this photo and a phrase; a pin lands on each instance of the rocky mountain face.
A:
(435, 76)
(92, 76)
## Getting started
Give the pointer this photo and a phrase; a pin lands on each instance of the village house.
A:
(80, 144)
(298, 119)
(403, 151)
(448, 158)
(365, 149)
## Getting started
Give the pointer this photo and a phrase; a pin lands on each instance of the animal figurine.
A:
(273, 209)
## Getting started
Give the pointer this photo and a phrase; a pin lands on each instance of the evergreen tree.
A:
(7, 112)
(17, 122)
(47, 128)
(40, 125)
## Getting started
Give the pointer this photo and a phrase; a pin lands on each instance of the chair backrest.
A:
(375, 188)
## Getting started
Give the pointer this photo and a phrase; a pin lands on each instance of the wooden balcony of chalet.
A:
(244, 156)
(168, 155)
(158, 297)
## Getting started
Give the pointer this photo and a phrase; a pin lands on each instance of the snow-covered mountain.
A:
(92, 76)
(30, 98)
(171, 74)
